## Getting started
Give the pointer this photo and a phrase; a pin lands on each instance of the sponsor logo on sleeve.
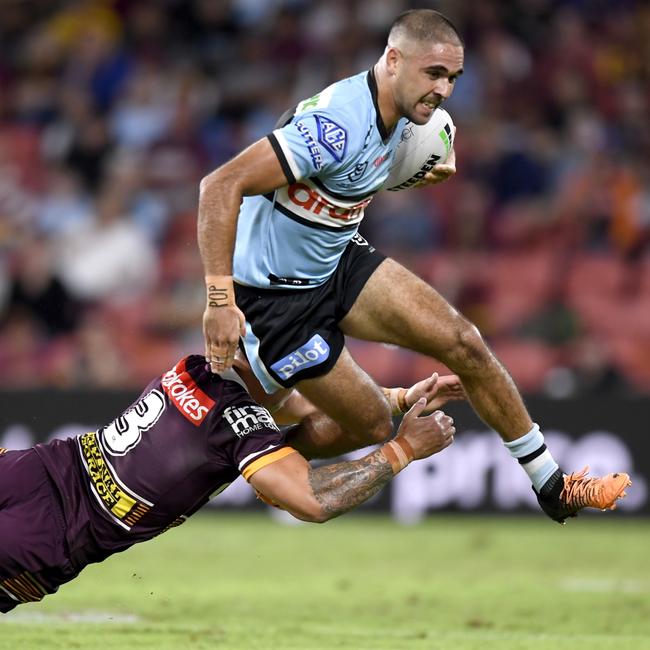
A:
(315, 351)
(185, 395)
(312, 102)
(332, 136)
(381, 159)
(314, 150)
(319, 100)
(246, 419)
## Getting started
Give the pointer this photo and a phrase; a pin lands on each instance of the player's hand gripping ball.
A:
(420, 149)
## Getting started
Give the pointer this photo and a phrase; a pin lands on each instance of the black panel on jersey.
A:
(343, 197)
(381, 127)
(291, 179)
(285, 118)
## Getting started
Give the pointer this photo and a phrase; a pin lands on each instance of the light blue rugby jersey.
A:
(336, 153)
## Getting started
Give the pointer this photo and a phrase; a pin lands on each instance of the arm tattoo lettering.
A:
(343, 486)
(217, 297)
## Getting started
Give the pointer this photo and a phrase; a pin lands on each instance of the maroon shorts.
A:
(33, 558)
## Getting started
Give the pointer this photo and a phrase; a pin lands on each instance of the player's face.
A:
(425, 78)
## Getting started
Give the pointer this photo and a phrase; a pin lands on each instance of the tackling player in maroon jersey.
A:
(70, 503)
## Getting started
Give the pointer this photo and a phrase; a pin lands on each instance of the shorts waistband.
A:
(269, 293)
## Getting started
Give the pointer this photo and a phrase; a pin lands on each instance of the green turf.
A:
(245, 582)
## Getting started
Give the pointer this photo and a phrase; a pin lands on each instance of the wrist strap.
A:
(396, 397)
(399, 453)
(221, 291)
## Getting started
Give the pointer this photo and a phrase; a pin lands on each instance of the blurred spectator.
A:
(108, 258)
(39, 294)
(590, 372)
(403, 221)
(143, 114)
(595, 371)
(22, 351)
(111, 111)
(64, 204)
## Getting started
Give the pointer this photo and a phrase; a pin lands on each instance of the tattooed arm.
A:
(343, 486)
(319, 494)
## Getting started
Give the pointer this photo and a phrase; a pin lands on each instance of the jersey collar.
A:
(372, 84)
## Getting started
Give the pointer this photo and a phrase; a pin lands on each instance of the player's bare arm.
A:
(256, 170)
(320, 494)
(339, 488)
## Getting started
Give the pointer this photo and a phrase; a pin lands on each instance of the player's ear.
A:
(393, 57)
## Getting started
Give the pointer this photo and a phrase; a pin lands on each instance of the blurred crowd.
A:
(112, 111)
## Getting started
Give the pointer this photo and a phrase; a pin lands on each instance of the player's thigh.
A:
(31, 518)
(349, 396)
(395, 306)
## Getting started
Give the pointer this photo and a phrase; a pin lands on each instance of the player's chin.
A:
(421, 114)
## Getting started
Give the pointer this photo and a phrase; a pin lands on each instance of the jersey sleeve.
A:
(257, 442)
(314, 144)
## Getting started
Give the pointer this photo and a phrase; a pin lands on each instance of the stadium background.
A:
(111, 112)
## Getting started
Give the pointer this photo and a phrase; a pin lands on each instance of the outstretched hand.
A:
(426, 434)
(437, 391)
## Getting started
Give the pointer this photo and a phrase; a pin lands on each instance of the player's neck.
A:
(385, 100)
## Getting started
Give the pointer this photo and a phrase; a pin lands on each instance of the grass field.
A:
(246, 582)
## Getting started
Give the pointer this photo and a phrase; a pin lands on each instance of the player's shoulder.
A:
(346, 104)
(339, 116)
(346, 97)
(194, 390)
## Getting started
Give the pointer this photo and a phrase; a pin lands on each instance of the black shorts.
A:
(293, 334)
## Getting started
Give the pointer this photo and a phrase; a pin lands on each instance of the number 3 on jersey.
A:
(125, 432)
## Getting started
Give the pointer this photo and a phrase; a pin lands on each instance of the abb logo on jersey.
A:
(186, 396)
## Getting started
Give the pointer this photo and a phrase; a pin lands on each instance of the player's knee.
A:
(469, 352)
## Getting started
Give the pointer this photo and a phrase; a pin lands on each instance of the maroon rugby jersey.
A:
(186, 438)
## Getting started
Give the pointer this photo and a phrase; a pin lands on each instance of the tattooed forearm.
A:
(340, 487)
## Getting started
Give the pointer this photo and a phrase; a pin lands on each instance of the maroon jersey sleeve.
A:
(258, 440)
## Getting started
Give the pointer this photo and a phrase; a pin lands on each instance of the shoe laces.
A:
(579, 491)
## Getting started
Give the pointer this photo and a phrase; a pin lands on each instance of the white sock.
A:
(533, 456)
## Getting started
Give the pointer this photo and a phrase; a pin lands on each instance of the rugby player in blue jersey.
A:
(69, 503)
(287, 273)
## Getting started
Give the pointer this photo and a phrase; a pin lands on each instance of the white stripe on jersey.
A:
(309, 202)
(254, 455)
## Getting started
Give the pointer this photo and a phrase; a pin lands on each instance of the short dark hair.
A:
(425, 25)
